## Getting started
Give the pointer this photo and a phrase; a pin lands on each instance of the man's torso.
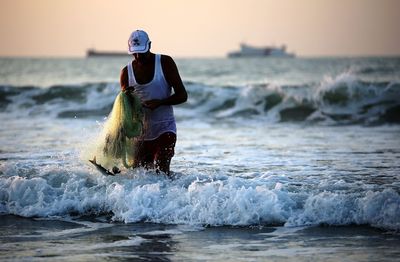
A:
(144, 73)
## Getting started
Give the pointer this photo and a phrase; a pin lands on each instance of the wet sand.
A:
(27, 239)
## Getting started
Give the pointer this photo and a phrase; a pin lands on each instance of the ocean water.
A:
(276, 160)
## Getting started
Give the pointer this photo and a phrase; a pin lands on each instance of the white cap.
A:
(138, 42)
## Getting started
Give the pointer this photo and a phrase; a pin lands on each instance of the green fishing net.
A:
(122, 129)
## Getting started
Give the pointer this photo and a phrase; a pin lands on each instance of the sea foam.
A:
(196, 199)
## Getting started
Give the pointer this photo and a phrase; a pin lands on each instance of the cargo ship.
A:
(94, 53)
(267, 51)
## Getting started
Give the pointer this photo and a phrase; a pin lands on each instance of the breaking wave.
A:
(196, 199)
(340, 100)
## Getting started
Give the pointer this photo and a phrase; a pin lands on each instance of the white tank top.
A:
(161, 119)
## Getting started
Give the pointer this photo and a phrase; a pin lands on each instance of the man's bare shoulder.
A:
(124, 69)
(123, 79)
(167, 60)
(124, 72)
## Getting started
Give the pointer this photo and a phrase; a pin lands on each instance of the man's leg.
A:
(165, 151)
(145, 154)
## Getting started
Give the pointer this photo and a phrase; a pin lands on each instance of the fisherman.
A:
(152, 77)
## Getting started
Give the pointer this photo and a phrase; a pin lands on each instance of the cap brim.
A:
(138, 49)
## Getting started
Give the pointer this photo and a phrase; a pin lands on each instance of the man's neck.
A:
(144, 59)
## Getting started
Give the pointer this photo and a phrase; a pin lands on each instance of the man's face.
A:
(141, 57)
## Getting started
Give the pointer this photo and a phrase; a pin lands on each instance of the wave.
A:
(378, 68)
(73, 101)
(195, 199)
(343, 99)
(340, 100)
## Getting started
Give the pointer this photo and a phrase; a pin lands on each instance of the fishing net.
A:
(123, 129)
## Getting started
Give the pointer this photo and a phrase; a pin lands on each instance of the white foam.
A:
(196, 200)
(380, 209)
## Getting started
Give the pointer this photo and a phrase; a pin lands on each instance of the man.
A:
(152, 77)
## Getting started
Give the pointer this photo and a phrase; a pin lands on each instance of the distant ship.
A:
(94, 53)
(267, 51)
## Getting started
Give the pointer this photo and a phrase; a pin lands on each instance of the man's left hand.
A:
(152, 104)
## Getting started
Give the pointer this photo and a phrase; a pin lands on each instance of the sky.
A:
(204, 28)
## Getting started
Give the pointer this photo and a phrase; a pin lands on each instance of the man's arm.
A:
(173, 78)
(123, 79)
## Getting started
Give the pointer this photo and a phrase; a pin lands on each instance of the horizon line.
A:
(39, 56)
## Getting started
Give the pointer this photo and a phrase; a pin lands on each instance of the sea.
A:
(277, 159)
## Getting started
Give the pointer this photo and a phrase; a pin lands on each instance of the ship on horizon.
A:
(266, 51)
(245, 51)
(94, 53)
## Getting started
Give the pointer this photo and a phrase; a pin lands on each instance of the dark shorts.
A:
(157, 153)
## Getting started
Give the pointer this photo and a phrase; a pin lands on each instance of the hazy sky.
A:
(200, 28)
